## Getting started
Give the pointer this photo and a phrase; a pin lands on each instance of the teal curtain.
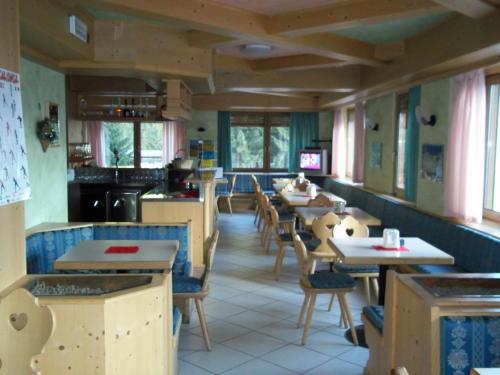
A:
(412, 145)
(224, 141)
(304, 127)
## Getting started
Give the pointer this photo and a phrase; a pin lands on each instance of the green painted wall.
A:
(325, 129)
(47, 170)
(436, 98)
(381, 110)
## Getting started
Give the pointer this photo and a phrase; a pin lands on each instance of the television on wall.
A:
(313, 161)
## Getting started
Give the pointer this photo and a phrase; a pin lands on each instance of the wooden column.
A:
(12, 247)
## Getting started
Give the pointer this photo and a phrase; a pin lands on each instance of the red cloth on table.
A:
(382, 248)
(122, 250)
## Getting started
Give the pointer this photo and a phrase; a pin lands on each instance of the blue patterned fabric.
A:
(304, 127)
(358, 268)
(244, 182)
(185, 284)
(176, 314)
(330, 280)
(469, 342)
(43, 249)
(375, 314)
(224, 159)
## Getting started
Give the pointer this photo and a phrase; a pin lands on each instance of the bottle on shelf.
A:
(132, 109)
(126, 110)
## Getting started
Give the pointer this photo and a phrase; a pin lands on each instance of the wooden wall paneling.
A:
(13, 248)
(24, 329)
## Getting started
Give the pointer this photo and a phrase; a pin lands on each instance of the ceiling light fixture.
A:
(256, 50)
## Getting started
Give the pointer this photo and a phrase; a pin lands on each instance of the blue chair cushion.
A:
(436, 268)
(287, 237)
(330, 280)
(285, 216)
(182, 269)
(358, 268)
(467, 342)
(185, 284)
(375, 314)
(176, 314)
(312, 244)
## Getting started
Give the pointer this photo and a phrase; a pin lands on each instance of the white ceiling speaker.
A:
(256, 50)
(372, 125)
(425, 118)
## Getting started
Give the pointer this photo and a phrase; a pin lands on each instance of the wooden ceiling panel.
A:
(273, 7)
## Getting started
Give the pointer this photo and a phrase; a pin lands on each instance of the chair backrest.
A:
(350, 227)
(302, 186)
(255, 183)
(232, 184)
(322, 228)
(275, 219)
(302, 256)
(321, 200)
(264, 201)
(400, 371)
(209, 257)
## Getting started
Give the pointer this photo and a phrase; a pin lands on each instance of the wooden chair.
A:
(322, 227)
(288, 188)
(350, 227)
(229, 195)
(302, 186)
(283, 238)
(324, 282)
(400, 371)
(186, 287)
(257, 189)
(321, 200)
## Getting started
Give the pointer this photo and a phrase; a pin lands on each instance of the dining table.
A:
(308, 214)
(119, 255)
(301, 199)
(369, 250)
(279, 186)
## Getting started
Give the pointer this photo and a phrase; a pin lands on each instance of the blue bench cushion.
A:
(469, 342)
(176, 314)
(436, 268)
(287, 237)
(375, 314)
(358, 268)
(330, 280)
(186, 284)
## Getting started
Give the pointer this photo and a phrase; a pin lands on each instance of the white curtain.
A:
(339, 149)
(173, 140)
(464, 177)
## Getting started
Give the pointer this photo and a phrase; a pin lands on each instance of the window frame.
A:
(490, 81)
(267, 124)
(401, 97)
(137, 139)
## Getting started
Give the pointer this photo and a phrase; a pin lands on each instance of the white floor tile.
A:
(220, 359)
(221, 331)
(223, 309)
(252, 319)
(255, 344)
(357, 356)
(296, 358)
(186, 368)
(259, 367)
(336, 366)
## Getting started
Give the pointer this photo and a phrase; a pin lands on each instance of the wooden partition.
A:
(413, 320)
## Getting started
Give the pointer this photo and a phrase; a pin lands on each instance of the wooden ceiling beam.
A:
(212, 17)
(253, 102)
(201, 39)
(319, 80)
(348, 14)
(458, 45)
(296, 62)
(469, 8)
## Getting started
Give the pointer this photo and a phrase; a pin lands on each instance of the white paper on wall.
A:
(14, 182)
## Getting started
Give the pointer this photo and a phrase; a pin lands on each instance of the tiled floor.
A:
(252, 318)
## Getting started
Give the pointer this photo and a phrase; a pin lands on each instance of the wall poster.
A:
(14, 182)
(432, 163)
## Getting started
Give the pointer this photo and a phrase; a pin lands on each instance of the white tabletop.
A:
(301, 199)
(308, 214)
(485, 371)
(279, 186)
(360, 251)
(152, 254)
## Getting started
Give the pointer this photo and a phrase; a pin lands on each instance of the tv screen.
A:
(310, 160)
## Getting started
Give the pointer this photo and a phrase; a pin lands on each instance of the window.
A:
(260, 141)
(152, 145)
(118, 136)
(402, 121)
(492, 172)
(350, 142)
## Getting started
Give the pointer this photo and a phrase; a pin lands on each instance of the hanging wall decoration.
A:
(14, 182)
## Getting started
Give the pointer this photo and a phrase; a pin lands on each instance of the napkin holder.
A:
(391, 238)
(311, 190)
